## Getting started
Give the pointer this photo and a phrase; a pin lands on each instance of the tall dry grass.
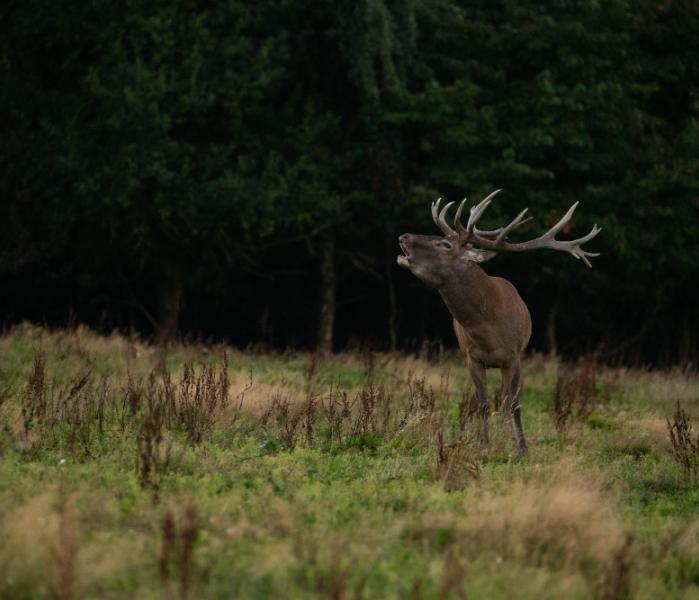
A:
(565, 519)
(223, 417)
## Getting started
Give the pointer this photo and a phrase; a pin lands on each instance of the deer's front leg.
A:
(511, 376)
(477, 371)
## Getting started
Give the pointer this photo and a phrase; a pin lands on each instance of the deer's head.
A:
(436, 260)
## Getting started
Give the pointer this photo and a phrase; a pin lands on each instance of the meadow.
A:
(201, 471)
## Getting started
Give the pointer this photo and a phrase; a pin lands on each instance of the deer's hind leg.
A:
(509, 397)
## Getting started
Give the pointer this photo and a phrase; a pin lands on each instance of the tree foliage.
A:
(186, 160)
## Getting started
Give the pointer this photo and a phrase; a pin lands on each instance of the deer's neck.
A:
(469, 296)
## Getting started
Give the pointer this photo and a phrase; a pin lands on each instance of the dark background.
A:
(241, 171)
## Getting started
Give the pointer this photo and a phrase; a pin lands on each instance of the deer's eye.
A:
(443, 244)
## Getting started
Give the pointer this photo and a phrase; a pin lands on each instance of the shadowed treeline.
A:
(242, 171)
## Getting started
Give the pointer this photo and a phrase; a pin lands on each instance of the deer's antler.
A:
(438, 218)
(496, 240)
(476, 212)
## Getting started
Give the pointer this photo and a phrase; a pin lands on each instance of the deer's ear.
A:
(477, 255)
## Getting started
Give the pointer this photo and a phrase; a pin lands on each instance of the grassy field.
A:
(129, 472)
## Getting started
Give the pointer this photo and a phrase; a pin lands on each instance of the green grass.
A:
(600, 509)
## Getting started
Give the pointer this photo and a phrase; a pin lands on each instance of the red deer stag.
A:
(491, 321)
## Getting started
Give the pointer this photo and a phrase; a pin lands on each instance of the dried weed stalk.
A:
(455, 467)
(685, 444)
(35, 397)
(281, 413)
(616, 584)
(469, 409)
(154, 455)
(577, 391)
(177, 546)
(198, 399)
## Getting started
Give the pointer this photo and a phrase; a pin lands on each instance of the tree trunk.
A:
(686, 353)
(392, 305)
(551, 346)
(169, 301)
(327, 294)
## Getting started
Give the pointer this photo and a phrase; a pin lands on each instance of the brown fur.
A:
(491, 321)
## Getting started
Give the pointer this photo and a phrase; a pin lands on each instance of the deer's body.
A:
(492, 325)
(491, 321)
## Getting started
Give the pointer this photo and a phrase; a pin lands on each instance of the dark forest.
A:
(241, 171)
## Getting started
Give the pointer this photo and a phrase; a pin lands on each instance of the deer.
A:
(491, 321)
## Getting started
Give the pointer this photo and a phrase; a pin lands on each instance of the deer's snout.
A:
(405, 242)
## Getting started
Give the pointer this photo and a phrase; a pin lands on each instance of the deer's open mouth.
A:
(403, 259)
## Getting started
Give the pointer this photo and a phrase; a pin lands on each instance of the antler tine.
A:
(477, 211)
(516, 222)
(457, 219)
(444, 210)
(574, 246)
(547, 240)
(442, 222)
(496, 240)
(563, 221)
(438, 217)
(494, 233)
(435, 209)
(475, 214)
